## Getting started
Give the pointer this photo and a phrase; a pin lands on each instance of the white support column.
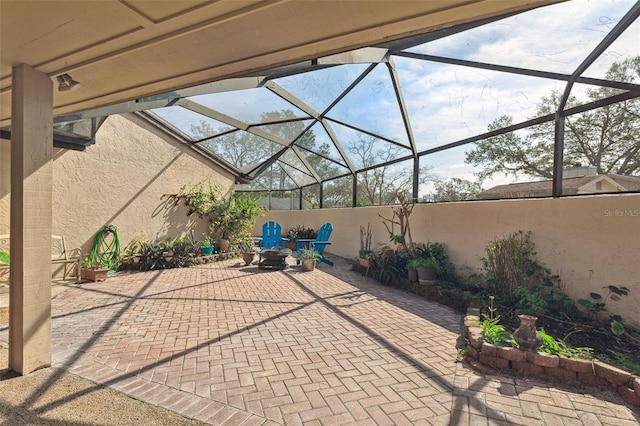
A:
(31, 174)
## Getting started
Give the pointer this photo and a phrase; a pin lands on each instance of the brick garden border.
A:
(594, 373)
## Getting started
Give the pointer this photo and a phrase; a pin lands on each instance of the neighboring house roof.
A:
(570, 186)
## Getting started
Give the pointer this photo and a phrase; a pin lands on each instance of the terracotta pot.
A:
(94, 274)
(224, 246)
(527, 335)
(248, 258)
(412, 274)
(364, 262)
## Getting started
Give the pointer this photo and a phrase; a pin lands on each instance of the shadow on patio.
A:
(222, 343)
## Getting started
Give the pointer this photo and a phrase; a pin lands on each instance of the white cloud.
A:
(448, 103)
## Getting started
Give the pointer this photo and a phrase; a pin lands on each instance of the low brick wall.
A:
(551, 366)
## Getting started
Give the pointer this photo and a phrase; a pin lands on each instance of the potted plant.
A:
(428, 270)
(299, 232)
(93, 269)
(132, 252)
(206, 246)
(230, 216)
(307, 258)
(247, 250)
(412, 268)
(365, 254)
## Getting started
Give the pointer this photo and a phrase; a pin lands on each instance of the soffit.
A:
(123, 50)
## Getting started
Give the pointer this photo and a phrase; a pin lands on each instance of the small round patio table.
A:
(274, 258)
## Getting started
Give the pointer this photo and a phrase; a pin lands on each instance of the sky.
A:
(446, 102)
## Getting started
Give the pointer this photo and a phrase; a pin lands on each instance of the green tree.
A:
(606, 137)
(380, 185)
(244, 149)
(455, 189)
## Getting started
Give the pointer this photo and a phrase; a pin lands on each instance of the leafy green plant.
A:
(559, 347)
(622, 361)
(4, 257)
(230, 216)
(539, 300)
(416, 263)
(492, 331)
(93, 263)
(308, 254)
(495, 333)
(436, 257)
(512, 272)
(205, 242)
(300, 232)
(597, 305)
(246, 245)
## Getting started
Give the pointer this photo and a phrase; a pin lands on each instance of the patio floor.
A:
(229, 344)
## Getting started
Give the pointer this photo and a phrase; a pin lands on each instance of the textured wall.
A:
(120, 181)
(590, 241)
(5, 185)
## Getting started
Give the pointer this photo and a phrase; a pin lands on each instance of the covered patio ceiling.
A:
(125, 50)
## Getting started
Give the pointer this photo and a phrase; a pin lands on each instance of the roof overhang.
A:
(124, 50)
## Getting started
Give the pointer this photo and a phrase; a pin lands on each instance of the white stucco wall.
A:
(590, 241)
(120, 181)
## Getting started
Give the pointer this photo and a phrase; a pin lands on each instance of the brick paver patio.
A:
(229, 344)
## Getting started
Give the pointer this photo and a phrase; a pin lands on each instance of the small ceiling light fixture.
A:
(66, 83)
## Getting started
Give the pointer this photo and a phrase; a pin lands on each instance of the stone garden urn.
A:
(527, 335)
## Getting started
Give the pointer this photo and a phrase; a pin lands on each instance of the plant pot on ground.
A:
(224, 245)
(428, 270)
(93, 270)
(365, 258)
(248, 257)
(247, 249)
(94, 274)
(206, 246)
(308, 265)
(412, 269)
(307, 258)
(365, 254)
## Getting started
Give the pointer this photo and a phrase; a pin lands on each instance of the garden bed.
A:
(553, 367)
(621, 351)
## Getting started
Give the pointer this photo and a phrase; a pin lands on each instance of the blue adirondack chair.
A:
(271, 237)
(318, 243)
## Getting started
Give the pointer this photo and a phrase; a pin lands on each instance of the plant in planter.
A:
(247, 249)
(299, 232)
(132, 253)
(230, 216)
(206, 246)
(428, 269)
(308, 258)
(93, 269)
(412, 268)
(365, 254)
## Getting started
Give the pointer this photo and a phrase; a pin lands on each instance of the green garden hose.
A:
(106, 248)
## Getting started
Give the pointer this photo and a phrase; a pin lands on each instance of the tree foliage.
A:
(455, 189)
(606, 137)
(243, 149)
(380, 185)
